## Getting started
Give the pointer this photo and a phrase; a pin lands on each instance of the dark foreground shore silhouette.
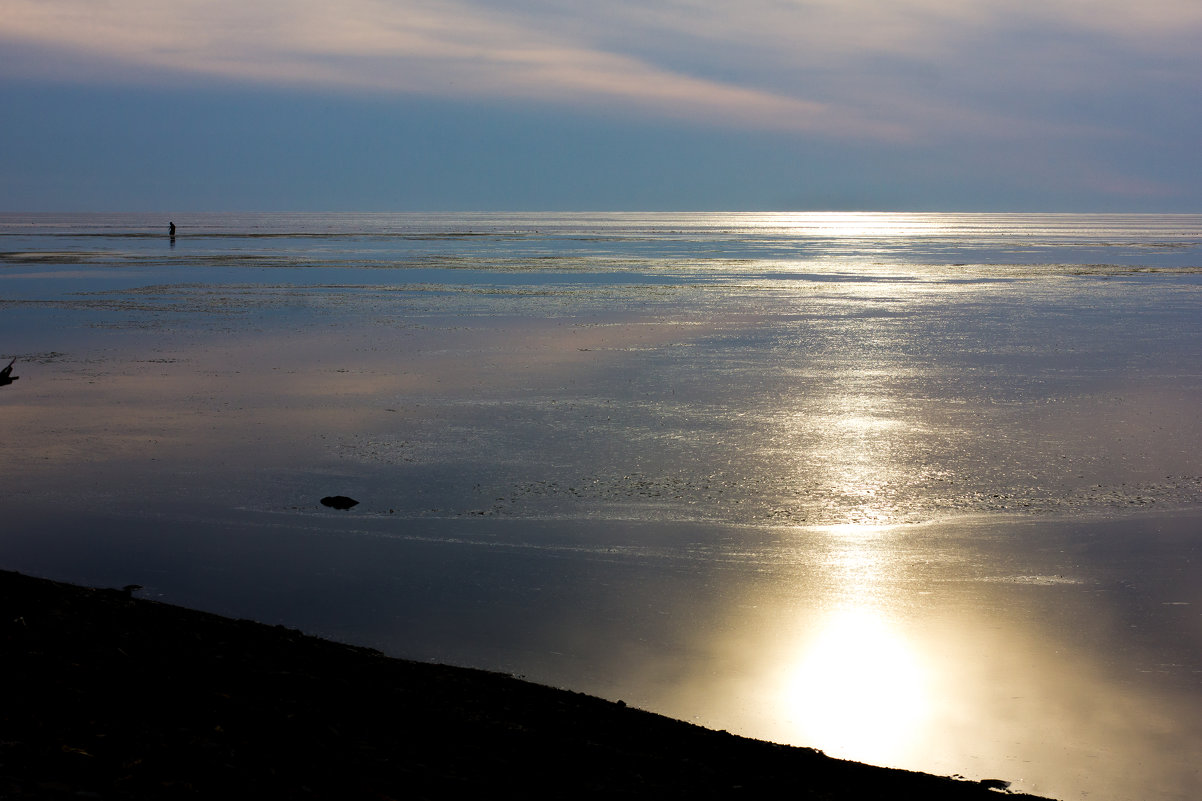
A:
(109, 696)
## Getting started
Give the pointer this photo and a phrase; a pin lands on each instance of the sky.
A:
(444, 105)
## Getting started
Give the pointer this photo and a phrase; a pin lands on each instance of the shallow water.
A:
(917, 490)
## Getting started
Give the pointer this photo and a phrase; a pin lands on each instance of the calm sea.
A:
(695, 246)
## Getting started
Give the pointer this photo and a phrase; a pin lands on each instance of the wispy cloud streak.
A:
(901, 70)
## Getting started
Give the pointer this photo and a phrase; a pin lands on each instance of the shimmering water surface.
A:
(919, 490)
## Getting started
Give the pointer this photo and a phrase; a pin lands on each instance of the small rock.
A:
(339, 502)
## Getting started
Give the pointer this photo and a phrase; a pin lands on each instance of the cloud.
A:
(443, 49)
(901, 70)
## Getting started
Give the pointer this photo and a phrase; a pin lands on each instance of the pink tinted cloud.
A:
(809, 66)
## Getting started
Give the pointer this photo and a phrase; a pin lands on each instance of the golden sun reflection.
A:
(858, 687)
(864, 447)
(855, 224)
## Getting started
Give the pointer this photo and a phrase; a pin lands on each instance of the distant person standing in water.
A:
(171, 229)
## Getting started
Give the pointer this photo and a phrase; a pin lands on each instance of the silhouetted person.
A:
(6, 375)
(171, 230)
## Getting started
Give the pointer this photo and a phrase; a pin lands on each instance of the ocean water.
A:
(915, 489)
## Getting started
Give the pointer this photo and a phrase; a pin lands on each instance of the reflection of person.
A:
(6, 375)
(171, 229)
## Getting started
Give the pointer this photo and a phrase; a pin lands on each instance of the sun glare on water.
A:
(870, 225)
(857, 684)
(858, 688)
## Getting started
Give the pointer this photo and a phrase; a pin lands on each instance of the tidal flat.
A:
(933, 513)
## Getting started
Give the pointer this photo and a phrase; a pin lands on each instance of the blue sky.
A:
(1042, 105)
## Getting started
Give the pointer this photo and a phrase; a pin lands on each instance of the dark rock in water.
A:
(339, 502)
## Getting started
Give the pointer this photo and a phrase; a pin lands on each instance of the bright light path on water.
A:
(857, 686)
(847, 224)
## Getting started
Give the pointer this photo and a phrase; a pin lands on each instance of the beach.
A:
(124, 698)
(929, 502)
